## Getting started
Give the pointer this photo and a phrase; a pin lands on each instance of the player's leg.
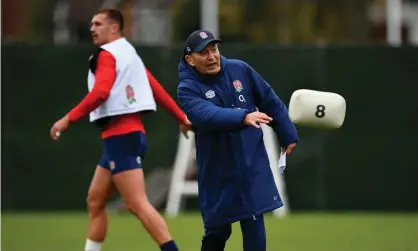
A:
(130, 185)
(125, 153)
(253, 234)
(100, 190)
(215, 238)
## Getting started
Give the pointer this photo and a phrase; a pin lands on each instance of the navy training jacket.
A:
(234, 176)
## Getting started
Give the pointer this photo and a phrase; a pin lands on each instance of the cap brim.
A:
(205, 43)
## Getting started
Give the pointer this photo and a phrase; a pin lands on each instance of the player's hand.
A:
(185, 127)
(255, 118)
(288, 149)
(59, 127)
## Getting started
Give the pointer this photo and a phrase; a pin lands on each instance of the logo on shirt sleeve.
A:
(210, 94)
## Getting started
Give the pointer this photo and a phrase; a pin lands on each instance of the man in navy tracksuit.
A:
(219, 97)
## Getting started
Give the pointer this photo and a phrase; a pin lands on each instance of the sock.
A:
(169, 246)
(92, 245)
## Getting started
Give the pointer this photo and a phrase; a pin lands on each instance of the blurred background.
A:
(350, 189)
(163, 22)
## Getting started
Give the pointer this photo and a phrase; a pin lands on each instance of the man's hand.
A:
(185, 127)
(59, 127)
(288, 149)
(254, 118)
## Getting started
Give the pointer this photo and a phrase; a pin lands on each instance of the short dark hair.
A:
(113, 14)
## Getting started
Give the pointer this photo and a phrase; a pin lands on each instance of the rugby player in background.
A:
(121, 90)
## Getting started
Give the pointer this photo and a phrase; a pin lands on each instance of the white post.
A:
(394, 22)
(209, 18)
(180, 187)
(273, 152)
(62, 34)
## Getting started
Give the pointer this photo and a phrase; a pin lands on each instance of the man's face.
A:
(102, 28)
(206, 62)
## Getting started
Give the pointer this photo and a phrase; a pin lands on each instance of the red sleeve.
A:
(105, 77)
(164, 100)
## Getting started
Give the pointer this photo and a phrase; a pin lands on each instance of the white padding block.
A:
(317, 109)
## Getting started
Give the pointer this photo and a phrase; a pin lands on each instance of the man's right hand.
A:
(254, 118)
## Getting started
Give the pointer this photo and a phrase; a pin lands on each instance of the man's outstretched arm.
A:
(164, 100)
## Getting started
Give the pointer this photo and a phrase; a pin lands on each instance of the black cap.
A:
(198, 40)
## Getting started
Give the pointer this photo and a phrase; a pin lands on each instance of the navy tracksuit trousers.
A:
(253, 235)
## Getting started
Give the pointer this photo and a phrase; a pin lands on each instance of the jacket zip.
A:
(227, 88)
(240, 171)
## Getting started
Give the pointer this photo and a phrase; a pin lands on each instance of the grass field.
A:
(298, 232)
